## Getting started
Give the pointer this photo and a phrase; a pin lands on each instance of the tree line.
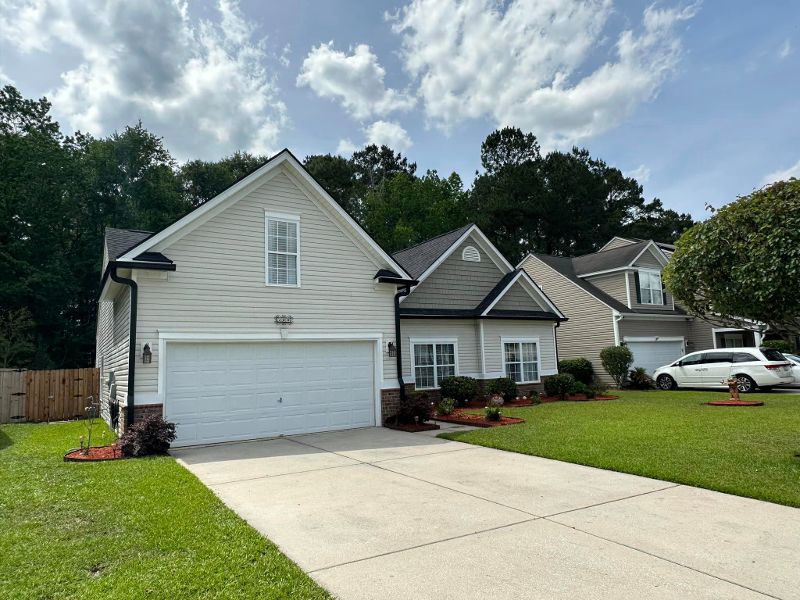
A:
(59, 192)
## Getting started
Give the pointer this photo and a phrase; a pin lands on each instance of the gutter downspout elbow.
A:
(404, 291)
(129, 407)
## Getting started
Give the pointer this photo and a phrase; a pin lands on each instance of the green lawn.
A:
(667, 435)
(143, 528)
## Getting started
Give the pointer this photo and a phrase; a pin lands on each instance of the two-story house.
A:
(617, 296)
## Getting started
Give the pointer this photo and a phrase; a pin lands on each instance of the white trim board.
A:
(432, 340)
(531, 289)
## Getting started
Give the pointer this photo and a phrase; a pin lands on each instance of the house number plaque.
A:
(284, 319)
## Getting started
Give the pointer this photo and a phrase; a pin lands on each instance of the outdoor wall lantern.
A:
(147, 355)
(391, 349)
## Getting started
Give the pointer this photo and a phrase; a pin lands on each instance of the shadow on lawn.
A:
(5, 441)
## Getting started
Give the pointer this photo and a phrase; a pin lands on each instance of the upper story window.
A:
(283, 250)
(651, 289)
(471, 254)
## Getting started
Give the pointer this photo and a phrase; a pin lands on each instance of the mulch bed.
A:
(510, 403)
(412, 427)
(95, 454)
(577, 398)
(735, 403)
(461, 418)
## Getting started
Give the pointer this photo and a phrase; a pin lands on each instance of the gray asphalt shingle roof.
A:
(416, 259)
(119, 241)
(607, 259)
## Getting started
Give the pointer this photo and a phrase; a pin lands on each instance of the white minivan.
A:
(754, 368)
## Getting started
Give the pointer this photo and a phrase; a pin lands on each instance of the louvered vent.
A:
(471, 254)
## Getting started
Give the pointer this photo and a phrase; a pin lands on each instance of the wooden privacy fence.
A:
(54, 395)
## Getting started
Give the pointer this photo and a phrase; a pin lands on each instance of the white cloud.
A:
(782, 174)
(528, 64)
(355, 80)
(640, 174)
(346, 147)
(785, 49)
(202, 85)
(5, 79)
(388, 133)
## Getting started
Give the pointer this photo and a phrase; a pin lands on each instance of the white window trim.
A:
(525, 340)
(280, 217)
(657, 273)
(414, 341)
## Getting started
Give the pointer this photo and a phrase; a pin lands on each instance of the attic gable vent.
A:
(471, 254)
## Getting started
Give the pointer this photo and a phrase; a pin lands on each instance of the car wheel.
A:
(746, 384)
(665, 382)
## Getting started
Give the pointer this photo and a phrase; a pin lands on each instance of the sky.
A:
(699, 100)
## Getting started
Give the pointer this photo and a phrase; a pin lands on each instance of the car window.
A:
(793, 357)
(772, 354)
(694, 359)
(739, 357)
(717, 357)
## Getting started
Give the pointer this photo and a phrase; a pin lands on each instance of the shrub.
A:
(582, 388)
(617, 360)
(597, 389)
(640, 380)
(579, 368)
(492, 412)
(417, 408)
(461, 389)
(505, 386)
(446, 406)
(779, 345)
(150, 435)
(559, 385)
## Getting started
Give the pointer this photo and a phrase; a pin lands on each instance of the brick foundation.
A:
(139, 412)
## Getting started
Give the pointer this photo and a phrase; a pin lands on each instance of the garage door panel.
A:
(234, 391)
(654, 354)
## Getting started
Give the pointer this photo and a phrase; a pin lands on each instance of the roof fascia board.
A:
(603, 272)
(654, 317)
(502, 293)
(662, 258)
(531, 289)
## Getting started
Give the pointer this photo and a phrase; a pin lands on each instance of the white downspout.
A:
(615, 319)
(483, 352)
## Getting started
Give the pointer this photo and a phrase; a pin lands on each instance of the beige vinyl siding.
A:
(648, 260)
(464, 330)
(612, 284)
(589, 328)
(616, 243)
(457, 283)
(496, 329)
(517, 298)
(219, 285)
(113, 343)
(653, 328)
(701, 335)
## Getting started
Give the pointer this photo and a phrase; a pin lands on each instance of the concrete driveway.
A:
(374, 513)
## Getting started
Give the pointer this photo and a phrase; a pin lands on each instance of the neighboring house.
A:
(616, 296)
(265, 311)
(472, 313)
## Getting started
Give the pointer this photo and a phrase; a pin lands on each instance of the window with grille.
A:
(432, 362)
(283, 251)
(521, 360)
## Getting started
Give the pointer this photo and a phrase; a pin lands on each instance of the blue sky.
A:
(698, 99)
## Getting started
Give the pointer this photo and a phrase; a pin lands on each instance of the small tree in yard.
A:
(617, 360)
(742, 265)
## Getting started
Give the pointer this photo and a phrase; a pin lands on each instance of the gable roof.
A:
(565, 266)
(417, 259)
(241, 188)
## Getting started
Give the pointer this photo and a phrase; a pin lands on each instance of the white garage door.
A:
(652, 355)
(217, 392)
